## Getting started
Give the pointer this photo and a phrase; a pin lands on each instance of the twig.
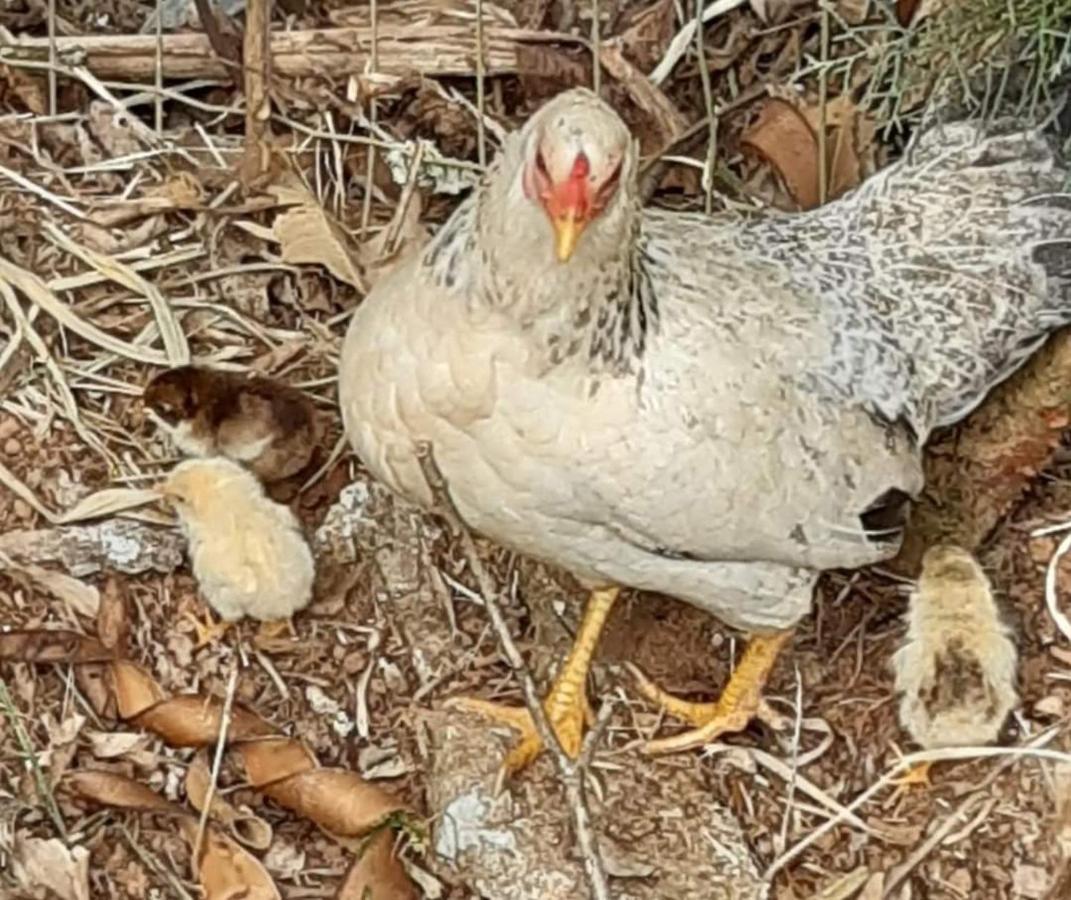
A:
(481, 137)
(823, 92)
(1033, 749)
(53, 96)
(708, 103)
(572, 773)
(158, 77)
(154, 864)
(896, 875)
(44, 789)
(596, 49)
(217, 762)
(370, 168)
(256, 81)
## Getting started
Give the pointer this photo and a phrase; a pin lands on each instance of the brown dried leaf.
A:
(545, 70)
(109, 789)
(226, 871)
(662, 117)
(59, 646)
(338, 800)
(308, 235)
(378, 873)
(782, 136)
(135, 689)
(275, 759)
(193, 720)
(112, 622)
(248, 829)
(645, 33)
(46, 863)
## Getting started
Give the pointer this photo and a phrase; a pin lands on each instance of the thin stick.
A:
(1033, 749)
(712, 113)
(158, 100)
(370, 169)
(217, 762)
(572, 773)
(596, 48)
(823, 175)
(44, 789)
(53, 96)
(481, 138)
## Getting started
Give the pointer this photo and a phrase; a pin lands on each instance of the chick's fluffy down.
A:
(957, 667)
(247, 552)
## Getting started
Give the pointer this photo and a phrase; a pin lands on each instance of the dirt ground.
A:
(395, 629)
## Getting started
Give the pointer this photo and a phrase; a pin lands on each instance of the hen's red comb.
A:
(581, 166)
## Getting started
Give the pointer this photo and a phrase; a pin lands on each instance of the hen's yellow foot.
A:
(206, 629)
(740, 702)
(566, 705)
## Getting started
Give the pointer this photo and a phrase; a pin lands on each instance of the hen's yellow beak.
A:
(567, 231)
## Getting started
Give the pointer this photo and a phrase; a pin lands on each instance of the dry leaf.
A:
(248, 829)
(308, 235)
(107, 503)
(46, 863)
(58, 646)
(645, 33)
(224, 869)
(378, 873)
(112, 623)
(80, 597)
(113, 744)
(782, 136)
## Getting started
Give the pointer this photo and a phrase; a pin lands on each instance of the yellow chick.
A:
(247, 551)
(957, 667)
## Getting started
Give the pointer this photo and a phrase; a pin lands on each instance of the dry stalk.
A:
(44, 789)
(217, 763)
(256, 79)
(572, 773)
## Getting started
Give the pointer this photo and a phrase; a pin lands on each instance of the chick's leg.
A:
(207, 630)
(566, 705)
(740, 702)
(274, 630)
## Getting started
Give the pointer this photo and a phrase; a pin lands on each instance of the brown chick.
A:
(247, 552)
(957, 667)
(268, 426)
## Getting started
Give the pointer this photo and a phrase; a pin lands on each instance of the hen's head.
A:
(578, 161)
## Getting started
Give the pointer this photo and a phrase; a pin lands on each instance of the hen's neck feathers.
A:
(599, 308)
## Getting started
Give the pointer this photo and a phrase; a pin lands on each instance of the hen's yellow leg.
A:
(207, 630)
(566, 704)
(740, 702)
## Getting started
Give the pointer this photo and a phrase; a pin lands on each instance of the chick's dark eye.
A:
(606, 192)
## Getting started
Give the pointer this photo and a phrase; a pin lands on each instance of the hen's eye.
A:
(541, 164)
(608, 187)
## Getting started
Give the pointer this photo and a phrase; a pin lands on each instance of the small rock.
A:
(12, 447)
(21, 509)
